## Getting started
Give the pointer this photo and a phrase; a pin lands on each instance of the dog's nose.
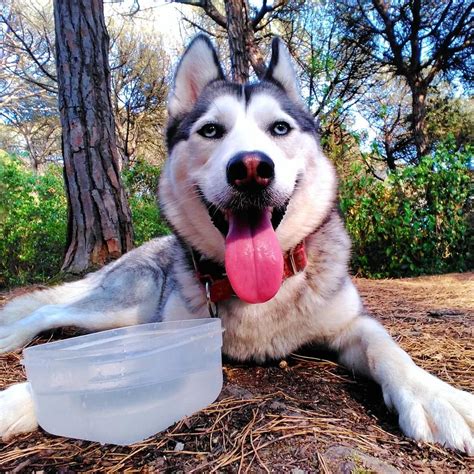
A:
(251, 170)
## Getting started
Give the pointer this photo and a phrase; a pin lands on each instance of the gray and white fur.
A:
(157, 281)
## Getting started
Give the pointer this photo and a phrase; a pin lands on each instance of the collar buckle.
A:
(291, 258)
(211, 305)
(295, 260)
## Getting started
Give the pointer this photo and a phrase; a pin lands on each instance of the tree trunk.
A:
(256, 58)
(99, 222)
(419, 120)
(238, 27)
(390, 156)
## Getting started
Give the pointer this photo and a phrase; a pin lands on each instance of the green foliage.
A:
(141, 181)
(147, 222)
(450, 117)
(416, 221)
(33, 219)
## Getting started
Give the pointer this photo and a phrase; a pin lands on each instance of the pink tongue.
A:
(253, 257)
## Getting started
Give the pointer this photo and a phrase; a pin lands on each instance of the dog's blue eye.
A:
(212, 130)
(280, 129)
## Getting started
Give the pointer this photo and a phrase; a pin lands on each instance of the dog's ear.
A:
(198, 67)
(281, 71)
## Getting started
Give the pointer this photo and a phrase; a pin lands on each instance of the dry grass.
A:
(284, 416)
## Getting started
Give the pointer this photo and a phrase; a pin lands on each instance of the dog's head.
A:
(245, 180)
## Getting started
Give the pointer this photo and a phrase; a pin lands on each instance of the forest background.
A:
(389, 83)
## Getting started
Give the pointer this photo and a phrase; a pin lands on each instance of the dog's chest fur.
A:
(298, 314)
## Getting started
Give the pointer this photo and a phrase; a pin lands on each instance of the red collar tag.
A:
(219, 286)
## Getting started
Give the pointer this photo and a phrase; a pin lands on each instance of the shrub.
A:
(33, 219)
(416, 221)
(141, 181)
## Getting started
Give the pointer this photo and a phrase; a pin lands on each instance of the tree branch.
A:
(267, 9)
(199, 27)
(261, 13)
(27, 49)
(443, 52)
(382, 10)
(209, 8)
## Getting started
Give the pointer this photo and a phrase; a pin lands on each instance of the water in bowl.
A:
(127, 415)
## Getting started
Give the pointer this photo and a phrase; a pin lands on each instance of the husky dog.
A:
(252, 202)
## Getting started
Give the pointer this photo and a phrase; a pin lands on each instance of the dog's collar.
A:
(212, 275)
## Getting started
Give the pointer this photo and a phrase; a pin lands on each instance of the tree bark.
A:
(390, 156)
(238, 28)
(244, 50)
(256, 58)
(419, 120)
(99, 222)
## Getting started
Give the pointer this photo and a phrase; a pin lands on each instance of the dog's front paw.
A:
(17, 414)
(433, 411)
(14, 336)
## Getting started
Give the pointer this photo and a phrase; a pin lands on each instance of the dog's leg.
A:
(23, 306)
(17, 414)
(428, 408)
(121, 301)
(16, 335)
(128, 278)
(16, 408)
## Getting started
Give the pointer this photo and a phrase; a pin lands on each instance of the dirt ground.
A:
(304, 414)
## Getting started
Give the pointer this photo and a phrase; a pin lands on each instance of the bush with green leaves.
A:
(141, 181)
(33, 217)
(416, 221)
(33, 220)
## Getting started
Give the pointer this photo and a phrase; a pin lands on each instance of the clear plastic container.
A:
(124, 385)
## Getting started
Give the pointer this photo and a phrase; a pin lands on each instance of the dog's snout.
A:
(250, 170)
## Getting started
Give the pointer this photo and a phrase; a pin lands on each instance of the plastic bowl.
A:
(124, 385)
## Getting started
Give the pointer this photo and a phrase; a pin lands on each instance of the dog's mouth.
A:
(220, 218)
(253, 256)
